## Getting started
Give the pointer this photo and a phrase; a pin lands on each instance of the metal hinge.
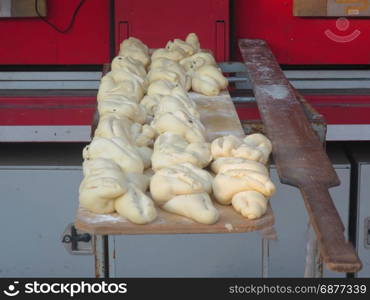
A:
(76, 242)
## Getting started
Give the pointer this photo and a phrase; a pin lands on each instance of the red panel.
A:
(296, 40)
(32, 41)
(80, 110)
(47, 111)
(156, 22)
(335, 109)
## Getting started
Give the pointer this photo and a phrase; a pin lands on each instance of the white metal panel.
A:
(348, 133)
(36, 206)
(45, 133)
(188, 255)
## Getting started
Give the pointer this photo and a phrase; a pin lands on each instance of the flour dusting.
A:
(276, 91)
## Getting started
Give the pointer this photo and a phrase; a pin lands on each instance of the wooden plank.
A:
(298, 154)
(166, 223)
(309, 8)
(218, 115)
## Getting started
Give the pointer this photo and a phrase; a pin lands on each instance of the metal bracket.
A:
(77, 243)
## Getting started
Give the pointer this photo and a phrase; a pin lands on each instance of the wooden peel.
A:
(299, 156)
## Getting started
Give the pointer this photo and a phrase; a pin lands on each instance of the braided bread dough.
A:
(136, 206)
(135, 49)
(176, 54)
(194, 62)
(198, 207)
(128, 64)
(208, 80)
(167, 70)
(183, 190)
(192, 39)
(102, 184)
(173, 104)
(223, 164)
(122, 107)
(177, 180)
(111, 126)
(172, 149)
(122, 83)
(124, 154)
(250, 204)
(254, 147)
(180, 44)
(180, 123)
(231, 182)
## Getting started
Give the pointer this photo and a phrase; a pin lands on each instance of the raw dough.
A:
(197, 207)
(184, 46)
(260, 142)
(134, 43)
(173, 104)
(136, 206)
(140, 181)
(177, 180)
(172, 149)
(175, 54)
(102, 184)
(161, 87)
(135, 49)
(194, 62)
(146, 136)
(132, 87)
(223, 146)
(192, 39)
(174, 73)
(176, 76)
(102, 167)
(128, 64)
(125, 155)
(231, 182)
(162, 62)
(146, 155)
(111, 126)
(250, 204)
(254, 147)
(208, 80)
(180, 123)
(223, 164)
(122, 107)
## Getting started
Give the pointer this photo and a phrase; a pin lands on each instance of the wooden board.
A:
(298, 154)
(219, 116)
(166, 223)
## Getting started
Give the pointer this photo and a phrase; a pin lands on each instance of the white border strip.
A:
(45, 133)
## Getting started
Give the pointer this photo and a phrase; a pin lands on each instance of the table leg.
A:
(313, 268)
(265, 257)
(101, 256)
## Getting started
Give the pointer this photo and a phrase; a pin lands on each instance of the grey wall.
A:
(36, 207)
